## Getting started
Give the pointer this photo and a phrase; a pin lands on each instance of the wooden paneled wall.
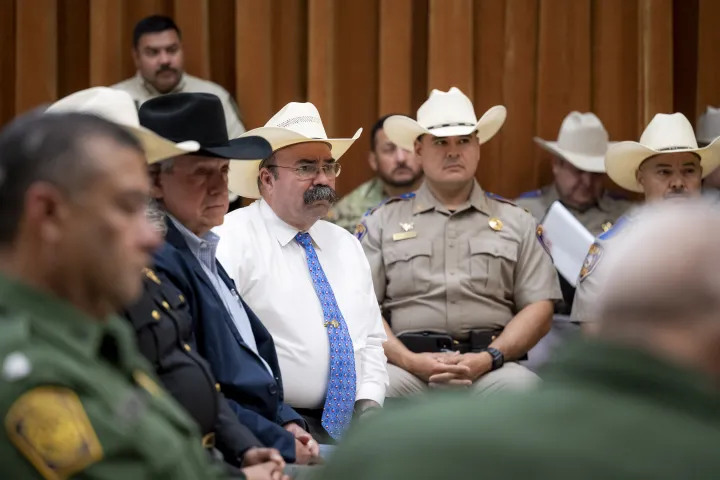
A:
(356, 60)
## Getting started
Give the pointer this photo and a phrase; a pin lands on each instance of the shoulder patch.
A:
(531, 194)
(591, 260)
(360, 230)
(614, 229)
(49, 426)
(540, 234)
(404, 196)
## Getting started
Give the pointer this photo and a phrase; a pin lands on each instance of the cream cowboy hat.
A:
(118, 107)
(582, 141)
(444, 114)
(708, 125)
(295, 123)
(666, 133)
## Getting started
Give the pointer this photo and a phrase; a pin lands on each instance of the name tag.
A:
(403, 236)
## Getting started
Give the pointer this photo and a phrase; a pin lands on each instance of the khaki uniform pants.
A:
(511, 376)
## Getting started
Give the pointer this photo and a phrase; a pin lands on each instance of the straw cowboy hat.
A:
(708, 126)
(582, 141)
(666, 133)
(444, 114)
(118, 107)
(295, 123)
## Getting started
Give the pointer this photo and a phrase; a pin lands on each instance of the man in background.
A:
(397, 172)
(637, 401)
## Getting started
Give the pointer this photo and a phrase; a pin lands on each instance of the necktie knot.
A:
(303, 238)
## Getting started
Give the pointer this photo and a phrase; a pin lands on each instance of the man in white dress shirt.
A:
(308, 279)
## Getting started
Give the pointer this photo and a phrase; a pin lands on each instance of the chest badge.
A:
(407, 226)
(406, 233)
(495, 223)
(606, 226)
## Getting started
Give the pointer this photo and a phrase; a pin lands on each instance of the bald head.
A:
(666, 271)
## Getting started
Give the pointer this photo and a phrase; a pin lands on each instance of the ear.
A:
(418, 150)
(640, 179)
(266, 179)
(156, 190)
(136, 57)
(373, 161)
(556, 164)
(46, 209)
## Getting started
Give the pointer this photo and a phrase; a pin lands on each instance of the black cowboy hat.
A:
(200, 117)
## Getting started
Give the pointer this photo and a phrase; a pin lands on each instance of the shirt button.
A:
(217, 387)
(451, 244)
(187, 347)
(166, 305)
(272, 389)
(156, 315)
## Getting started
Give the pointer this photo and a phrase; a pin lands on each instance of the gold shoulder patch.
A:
(50, 427)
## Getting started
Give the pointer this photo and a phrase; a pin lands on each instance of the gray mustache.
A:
(319, 193)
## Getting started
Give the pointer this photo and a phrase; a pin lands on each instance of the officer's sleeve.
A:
(269, 433)
(588, 285)
(369, 232)
(535, 276)
(233, 438)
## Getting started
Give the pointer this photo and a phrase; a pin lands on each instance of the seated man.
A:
(396, 172)
(308, 279)
(192, 191)
(462, 276)
(666, 165)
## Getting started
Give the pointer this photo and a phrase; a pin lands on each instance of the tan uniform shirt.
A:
(597, 219)
(351, 208)
(591, 278)
(438, 271)
(141, 91)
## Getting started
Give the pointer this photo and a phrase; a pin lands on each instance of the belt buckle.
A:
(208, 441)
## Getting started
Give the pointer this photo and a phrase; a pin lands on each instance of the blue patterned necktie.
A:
(340, 398)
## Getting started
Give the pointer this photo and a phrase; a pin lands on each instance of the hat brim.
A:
(403, 131)
(242, 178)
(158, 148)
(586, 163)
(242, 148)
(623, 160)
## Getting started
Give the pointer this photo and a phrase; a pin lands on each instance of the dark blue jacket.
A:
(254, 395)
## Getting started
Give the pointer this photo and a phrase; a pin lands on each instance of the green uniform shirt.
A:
(351, 208)
(603, 412)
(78, 400)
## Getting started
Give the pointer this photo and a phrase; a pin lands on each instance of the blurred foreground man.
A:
(639, 401)
(76, 397)
(396, 172)
(665, 165)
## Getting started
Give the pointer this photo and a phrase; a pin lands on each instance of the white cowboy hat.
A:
(444, 114)
(295, 123)
(666, 133)
(582, 141)
(118, 107)
(708, 125)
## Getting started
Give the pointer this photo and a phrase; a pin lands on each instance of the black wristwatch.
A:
(498, 359)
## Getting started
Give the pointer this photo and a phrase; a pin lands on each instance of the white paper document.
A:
(567, 239)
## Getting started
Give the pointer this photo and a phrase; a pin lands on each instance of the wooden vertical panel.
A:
(489, 31)
(419, 78)
(615, 67)
(708, 66)
(134, 11)
(221, 54)
(564, 57)
(36, 53)
(450, 50)
(685, 57)
(321, 59)
(656, 59)
(7, 62)
(73, 45)
(356, 79)
(253, 64)
(395, 70)
(519, 95)
(191, 16)
(290, 59)
(106, 42)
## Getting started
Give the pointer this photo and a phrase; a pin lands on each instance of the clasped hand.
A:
(451, 368)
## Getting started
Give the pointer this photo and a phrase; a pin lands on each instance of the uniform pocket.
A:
(492, 266)
(407, 266)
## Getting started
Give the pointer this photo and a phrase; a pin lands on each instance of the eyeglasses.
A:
(309, 172)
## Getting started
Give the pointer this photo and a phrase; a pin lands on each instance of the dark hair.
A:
(48, 147)
(153, 24)
(376, 128)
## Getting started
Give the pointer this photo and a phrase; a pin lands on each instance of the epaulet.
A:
(503, 200)
(531, 194)
(396, 198)
(614, 229)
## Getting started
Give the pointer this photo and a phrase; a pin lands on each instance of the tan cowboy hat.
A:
(118, 107)
(666, 133)
(582, 141)
(708, 126)
(444, 114)
(295, 123)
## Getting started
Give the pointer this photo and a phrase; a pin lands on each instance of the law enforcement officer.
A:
(708, 129)
(638, 401)
(578, 167)
(665, 165)
(396, 170)
(160, 62)
(454, 267)
(76, 397)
